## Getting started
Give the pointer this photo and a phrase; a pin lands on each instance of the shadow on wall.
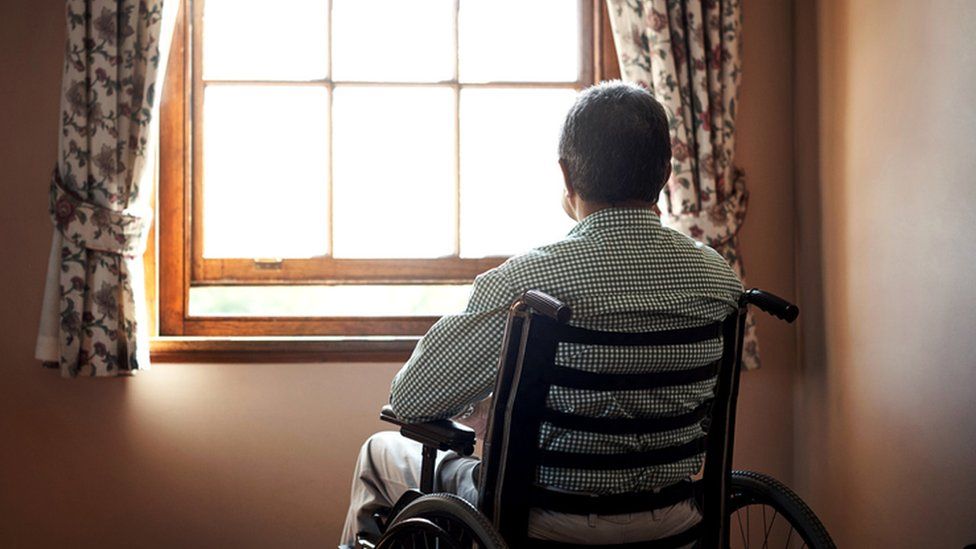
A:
(815, 427)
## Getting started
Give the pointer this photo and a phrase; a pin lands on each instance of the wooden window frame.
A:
(175, 262)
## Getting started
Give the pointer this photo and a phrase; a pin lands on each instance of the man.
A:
(619, 270)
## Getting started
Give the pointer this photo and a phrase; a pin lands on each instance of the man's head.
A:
(615, 148)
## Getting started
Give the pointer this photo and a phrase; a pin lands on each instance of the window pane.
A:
(509, 168)
(265, 171)
(519, 40)
(393, 40)
(393, 180)
(328, 300)
(261, 40)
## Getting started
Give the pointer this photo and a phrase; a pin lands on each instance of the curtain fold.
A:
(687, 52)
(93, 319)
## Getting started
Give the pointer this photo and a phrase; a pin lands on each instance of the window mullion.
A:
(330, 83)
(457, 133)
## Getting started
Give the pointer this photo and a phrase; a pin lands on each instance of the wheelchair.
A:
(739, 508)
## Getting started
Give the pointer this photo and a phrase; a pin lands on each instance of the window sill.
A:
(282, 349)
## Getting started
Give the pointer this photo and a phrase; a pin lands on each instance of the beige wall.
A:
(259, 455)
(886, 401)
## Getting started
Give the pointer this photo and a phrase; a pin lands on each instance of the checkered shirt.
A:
(619, 270)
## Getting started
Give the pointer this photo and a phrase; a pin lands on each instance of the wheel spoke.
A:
(738, 517)
(763, 509)
(748, 529)
(770, 529)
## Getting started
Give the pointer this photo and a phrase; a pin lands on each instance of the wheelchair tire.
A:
(756, 497)
(457, 524)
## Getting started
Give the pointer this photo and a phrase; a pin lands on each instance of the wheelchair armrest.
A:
(442, 434)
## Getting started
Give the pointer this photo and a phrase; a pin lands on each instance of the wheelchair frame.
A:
(503, 494)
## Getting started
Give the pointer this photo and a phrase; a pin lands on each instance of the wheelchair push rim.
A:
(440, 521)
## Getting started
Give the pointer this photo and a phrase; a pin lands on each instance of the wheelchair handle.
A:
(547, 305)
(772, 304)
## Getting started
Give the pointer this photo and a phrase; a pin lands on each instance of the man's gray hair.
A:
(615, 144)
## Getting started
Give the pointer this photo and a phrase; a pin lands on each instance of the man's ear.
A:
(570, 191)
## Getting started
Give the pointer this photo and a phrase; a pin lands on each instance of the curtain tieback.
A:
(96, 227)
(718, 224)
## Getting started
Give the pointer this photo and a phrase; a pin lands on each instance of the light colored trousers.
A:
(389, 465)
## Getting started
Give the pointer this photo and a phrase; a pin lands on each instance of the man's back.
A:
(619, 270)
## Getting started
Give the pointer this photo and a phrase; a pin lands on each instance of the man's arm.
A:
(454, 365)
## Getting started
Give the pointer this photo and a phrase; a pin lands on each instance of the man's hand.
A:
(477, 419)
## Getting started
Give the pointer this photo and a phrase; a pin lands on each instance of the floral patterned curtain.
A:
(93, 322)
(687, 53)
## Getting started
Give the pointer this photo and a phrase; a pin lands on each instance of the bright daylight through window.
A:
(358, 158)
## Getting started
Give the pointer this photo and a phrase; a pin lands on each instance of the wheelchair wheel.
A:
(440, 521)
(765, 513)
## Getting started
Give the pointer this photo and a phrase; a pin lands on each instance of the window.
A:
(345, 168)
